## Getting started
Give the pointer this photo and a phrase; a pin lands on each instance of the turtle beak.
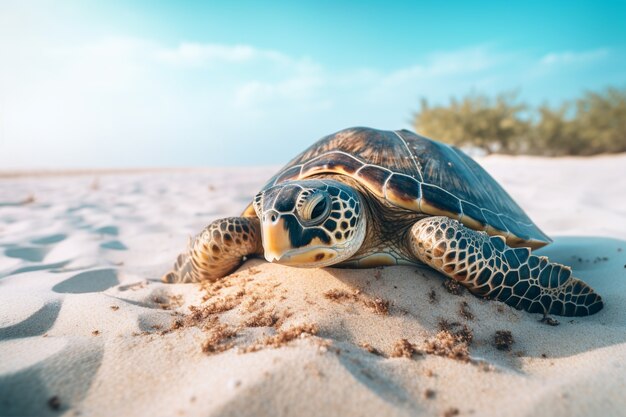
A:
(314, 257)
(275, 238)
(278, 248)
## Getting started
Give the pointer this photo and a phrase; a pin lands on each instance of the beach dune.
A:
(87, 328)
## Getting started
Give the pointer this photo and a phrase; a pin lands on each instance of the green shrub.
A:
(592, 124)
(601, 121)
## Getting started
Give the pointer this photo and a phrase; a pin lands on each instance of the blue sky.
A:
(136, 84)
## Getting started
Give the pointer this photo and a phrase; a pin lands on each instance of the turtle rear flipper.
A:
(183, 268)
(217, 251)
(489, 268)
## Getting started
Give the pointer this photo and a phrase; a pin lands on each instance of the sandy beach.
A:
(87, 328)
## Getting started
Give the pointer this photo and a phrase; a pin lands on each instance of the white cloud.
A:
(256, 93)
(439, 76)
(185, 54)
(107, 47)
(569, 58)
(106, 65)
(443, 64)
(303, 84)
(190, 53)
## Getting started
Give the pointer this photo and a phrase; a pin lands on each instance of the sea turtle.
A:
(363, 198)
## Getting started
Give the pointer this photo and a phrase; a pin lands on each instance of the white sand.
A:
(82, 317)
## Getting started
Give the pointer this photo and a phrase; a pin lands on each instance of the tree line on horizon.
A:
(592, 124)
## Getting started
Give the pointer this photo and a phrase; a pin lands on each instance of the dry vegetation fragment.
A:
(550, 321)
(166, 301)
(341, 295)
(465, 312)
(28, 200)
(198, 314)
(503, 339)
(404, 349)
(448, 345)
(378, 305)
(283, 337)
(286, 336)
(452, 286)
(218, 339)
(223, 304)
(432, 296)
(371, 349)
(54, 403)
(451, 412)
(262, 319)
(452, 341)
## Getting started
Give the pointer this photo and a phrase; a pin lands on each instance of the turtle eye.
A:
(314, 207)
(319, 209)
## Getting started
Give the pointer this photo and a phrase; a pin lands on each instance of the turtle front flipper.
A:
(489, 268)
(217, 250)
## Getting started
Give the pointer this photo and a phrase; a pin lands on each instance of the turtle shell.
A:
(418, 174)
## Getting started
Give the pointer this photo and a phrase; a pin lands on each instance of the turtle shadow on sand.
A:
(599, 261)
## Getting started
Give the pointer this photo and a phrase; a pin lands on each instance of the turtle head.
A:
(310, 223)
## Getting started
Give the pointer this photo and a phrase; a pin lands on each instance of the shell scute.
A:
(289, 174)
(332, 162)
(406, 191)
(438, 201)
(494, 221)
(374, 177)
(472, 213)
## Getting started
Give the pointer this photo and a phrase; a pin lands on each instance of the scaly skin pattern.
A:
(218, 250)
(491, 269)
